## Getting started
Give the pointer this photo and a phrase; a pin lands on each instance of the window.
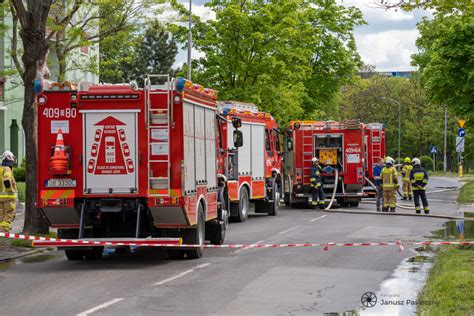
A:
(85, 50)
(267, 140)
(277, 140)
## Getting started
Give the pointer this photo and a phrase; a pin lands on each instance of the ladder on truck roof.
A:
(158, 119)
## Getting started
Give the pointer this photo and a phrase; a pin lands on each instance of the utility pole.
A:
(445, 136)
(190, 41)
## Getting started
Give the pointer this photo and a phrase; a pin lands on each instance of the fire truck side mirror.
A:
(289, 144)
(236, 122)
(238, 139)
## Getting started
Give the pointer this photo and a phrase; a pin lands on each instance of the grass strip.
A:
(450, 283)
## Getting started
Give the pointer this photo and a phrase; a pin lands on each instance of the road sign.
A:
(461, 123)
(434, 150)
(460, 144)
(461, 132)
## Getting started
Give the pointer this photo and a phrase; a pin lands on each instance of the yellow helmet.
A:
(407, 159)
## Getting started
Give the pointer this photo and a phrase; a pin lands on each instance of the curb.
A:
(399, 214)
(23, 254)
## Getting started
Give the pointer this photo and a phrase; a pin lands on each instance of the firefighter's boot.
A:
(418, 210)
(427, 210)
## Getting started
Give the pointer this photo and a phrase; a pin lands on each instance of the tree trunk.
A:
(36, 48)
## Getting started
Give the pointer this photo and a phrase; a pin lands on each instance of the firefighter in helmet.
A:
(406, 171)
(7, 192)
(389, 185)
(316, 183)
(419, 180)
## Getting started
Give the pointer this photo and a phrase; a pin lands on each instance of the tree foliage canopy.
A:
(289, 57)
(375, 100)
(446, 59)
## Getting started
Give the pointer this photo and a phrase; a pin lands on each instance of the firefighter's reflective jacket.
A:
(389, 178)
(315, 175)
(7, 184)
(419, 178)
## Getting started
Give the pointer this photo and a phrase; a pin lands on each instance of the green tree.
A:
(81, 23)
(155, 54)
(446, 60)
(30, 17)
(274, 53)
(438, 5)
(370, 100)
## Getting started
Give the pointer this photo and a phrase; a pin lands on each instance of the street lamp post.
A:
(190, 41)
(399, 123)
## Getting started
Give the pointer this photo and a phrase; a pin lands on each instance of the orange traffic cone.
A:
(59, 160)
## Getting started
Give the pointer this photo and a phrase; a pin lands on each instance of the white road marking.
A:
(99, 307)
(201, 266)
(245, 248)
(289, 230)
(318, 218)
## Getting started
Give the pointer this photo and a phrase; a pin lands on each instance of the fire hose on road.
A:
(334, 191)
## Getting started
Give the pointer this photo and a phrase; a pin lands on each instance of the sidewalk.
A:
(8, 252)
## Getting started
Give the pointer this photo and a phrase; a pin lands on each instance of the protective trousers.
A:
(407, 189)
(417, 194)
(317, 194)
(389, 198)
(379, 198)
(7, 214)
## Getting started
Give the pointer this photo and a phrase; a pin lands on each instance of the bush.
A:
(427, 163)
(19, 172)
(440, 166)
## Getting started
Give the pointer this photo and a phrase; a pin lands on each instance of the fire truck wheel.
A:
(218, 230)
(94, 254)
(276, 201)
(74, 255)
(354, 204)
(196, 236)
(176, 254)
(241, 210)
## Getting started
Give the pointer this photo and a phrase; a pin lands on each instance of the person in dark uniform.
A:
(419, 180)
(316, 184)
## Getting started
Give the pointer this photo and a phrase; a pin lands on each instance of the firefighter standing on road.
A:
(378, 184)
(316, 183)
(389, 185)
(419, 180)
(406, 171)
(7, 192)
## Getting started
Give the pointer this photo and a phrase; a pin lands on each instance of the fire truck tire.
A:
(354, 204)
(196, 236)
(274, 206)
(240, 211)
(74, 255)
(94, 254)
(176, 254)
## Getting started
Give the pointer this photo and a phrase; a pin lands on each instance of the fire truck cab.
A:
(141, 163)
(255, 171)
(340, 149)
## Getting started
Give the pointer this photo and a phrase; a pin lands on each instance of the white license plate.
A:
(60, 183)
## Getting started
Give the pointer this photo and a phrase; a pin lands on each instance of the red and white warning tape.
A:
(171, 242)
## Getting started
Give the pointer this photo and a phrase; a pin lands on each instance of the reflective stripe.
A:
(418, 176)
(312, 179)
(7, 195)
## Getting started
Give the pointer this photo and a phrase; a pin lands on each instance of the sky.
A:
(387, 41)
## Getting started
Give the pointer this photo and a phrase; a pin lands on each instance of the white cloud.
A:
(389, 50)
(373, 13)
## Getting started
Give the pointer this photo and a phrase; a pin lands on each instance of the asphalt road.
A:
(228, 281)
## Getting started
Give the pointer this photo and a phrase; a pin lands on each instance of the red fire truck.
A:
(374, 150)
(120, 163)
(340, 149)
(255, 170)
